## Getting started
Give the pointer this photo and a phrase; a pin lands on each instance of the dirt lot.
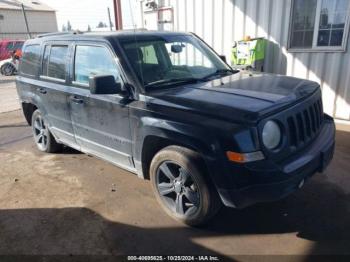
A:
(8, 94)
(71, 203)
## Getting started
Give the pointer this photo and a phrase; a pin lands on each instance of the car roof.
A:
(106, 36)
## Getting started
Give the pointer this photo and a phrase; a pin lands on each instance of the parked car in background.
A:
(9, 67)
(8, 46)
(168, 108)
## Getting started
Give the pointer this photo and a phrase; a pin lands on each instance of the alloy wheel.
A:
(177, 189)
(40, 133)
(8, 70)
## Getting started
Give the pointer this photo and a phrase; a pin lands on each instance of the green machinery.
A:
(249, 54)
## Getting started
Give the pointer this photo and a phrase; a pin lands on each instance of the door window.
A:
(46, 60)
(57, 62)
(92, 61)
(54, 61)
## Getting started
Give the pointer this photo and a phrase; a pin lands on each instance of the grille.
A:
(305, 124)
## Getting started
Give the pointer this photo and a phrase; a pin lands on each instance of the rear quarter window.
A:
(30, 60)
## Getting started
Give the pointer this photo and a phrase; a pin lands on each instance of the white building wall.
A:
(12, 26)
(221, 22)
(130, 17)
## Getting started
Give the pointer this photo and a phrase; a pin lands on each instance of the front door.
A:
(100, 122)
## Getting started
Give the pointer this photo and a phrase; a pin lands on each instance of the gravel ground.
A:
(8, 94)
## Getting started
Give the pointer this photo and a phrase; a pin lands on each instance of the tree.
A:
(69, 26)
(101, 25)
(89, 28)
(64, 28)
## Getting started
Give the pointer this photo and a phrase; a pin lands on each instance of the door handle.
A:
(42, 90)
(77, 100)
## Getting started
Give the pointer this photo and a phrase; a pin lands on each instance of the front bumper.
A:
(314, 159)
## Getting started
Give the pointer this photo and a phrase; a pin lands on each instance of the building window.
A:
(319, 25)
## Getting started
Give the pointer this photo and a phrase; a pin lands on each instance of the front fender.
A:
(186, 135)
(180, 133)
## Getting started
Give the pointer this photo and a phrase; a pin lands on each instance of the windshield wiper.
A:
(173, 81)
(219, 72)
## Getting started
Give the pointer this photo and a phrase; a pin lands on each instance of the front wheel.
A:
(43, 138)
(8, 69)
(181, 187)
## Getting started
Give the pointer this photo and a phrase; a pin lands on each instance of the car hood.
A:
(5, 61)
(239, 97)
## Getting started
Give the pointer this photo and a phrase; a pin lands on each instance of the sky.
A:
(81, 13)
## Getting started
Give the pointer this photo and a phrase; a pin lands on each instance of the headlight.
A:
(271, 134)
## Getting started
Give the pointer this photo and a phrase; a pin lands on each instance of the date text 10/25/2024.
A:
(173, 258)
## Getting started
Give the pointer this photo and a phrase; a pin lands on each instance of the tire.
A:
(182, 187)
(43, 138)
(8, 69)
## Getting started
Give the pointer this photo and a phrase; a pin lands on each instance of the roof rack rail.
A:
(60, 33)
(139, 29)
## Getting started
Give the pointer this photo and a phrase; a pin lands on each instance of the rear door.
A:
(101, 122)
(54, 90)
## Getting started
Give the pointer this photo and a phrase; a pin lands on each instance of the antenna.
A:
(110, 20)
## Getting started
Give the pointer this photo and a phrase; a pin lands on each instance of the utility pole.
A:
(109, 19)
(26, 21)
(118, 14)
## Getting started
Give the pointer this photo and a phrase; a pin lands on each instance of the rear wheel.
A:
(180, 186)
(43, 138)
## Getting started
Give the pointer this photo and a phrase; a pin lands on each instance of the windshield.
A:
(172, 59)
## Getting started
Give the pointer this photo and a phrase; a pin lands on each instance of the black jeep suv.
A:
(166, 107)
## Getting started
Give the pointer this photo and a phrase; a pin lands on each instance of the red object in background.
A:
(18, 53)
(8, 46)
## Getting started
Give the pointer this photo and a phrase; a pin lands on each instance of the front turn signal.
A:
(244, 157)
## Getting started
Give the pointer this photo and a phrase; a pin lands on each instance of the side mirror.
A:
(223, 58)
(176, 49)
(104, 85)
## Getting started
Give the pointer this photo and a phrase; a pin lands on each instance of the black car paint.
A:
(211, 117)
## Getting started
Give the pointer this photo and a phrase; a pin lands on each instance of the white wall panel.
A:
(227, 19)
(13, 25)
